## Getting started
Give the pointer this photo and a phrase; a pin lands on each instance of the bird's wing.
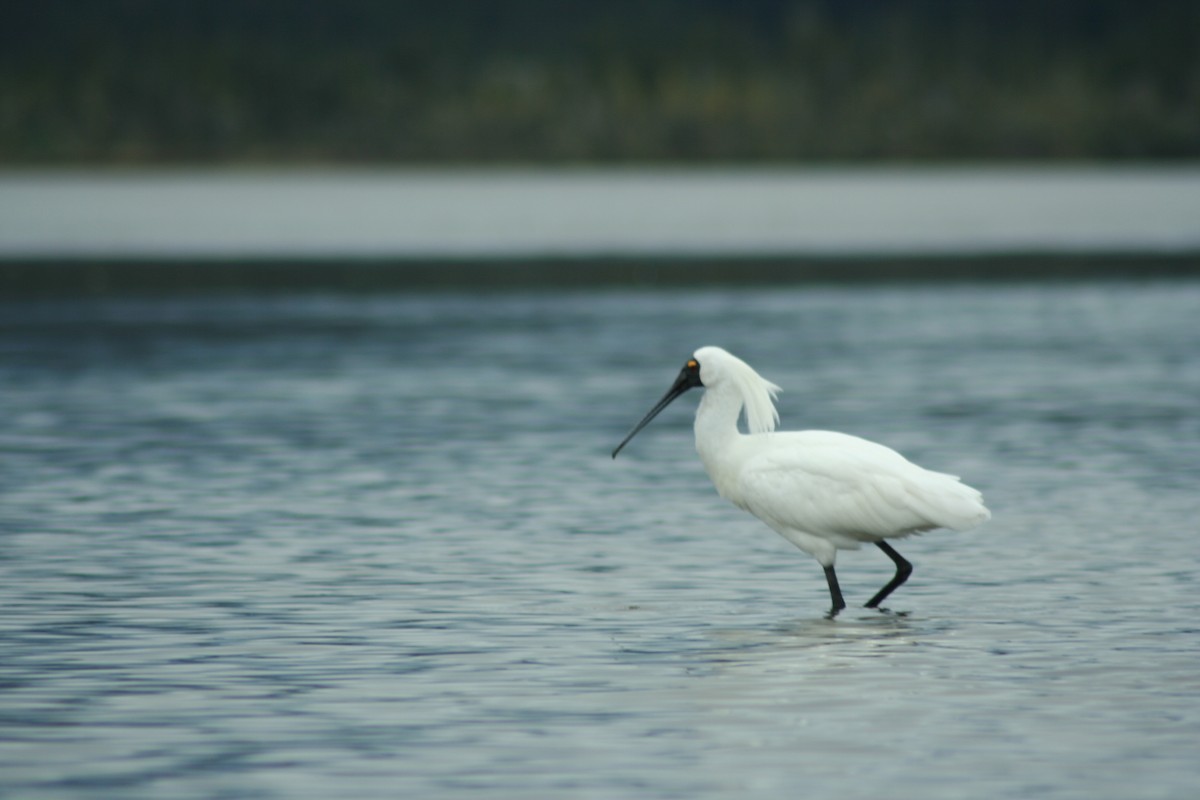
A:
(826, 483)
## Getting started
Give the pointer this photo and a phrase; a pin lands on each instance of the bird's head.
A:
(713, 367)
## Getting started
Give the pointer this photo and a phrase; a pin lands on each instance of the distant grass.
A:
(533, 81)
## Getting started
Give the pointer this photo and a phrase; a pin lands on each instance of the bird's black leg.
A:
(903, 570)
(835, 592)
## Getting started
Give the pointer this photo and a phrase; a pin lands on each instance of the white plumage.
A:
(820, 490)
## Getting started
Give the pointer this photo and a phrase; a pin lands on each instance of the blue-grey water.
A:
(322, 546)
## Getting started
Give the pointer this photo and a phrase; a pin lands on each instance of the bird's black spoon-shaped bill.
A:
(689, 377)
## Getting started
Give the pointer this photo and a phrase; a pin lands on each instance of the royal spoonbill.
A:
(822, 491)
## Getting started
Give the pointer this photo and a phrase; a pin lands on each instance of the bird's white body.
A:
(820, 490)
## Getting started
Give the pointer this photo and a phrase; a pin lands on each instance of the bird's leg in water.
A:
(835, 591)
(903, 570)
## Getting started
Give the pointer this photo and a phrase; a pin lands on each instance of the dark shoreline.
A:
(100, 276)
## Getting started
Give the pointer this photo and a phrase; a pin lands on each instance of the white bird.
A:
(820, 490)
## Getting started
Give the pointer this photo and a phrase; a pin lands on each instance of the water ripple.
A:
(326, 546)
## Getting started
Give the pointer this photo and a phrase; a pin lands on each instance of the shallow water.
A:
(316, 546)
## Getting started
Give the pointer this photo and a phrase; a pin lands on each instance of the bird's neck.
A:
(716, 426)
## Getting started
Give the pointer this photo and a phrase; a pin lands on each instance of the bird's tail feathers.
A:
(946, 501)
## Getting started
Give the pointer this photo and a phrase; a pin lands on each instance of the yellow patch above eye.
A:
(691, 364)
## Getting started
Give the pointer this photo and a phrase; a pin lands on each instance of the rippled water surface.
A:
(331, 546)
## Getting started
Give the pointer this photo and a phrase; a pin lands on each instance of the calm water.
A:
(321, 546)
(580, 212)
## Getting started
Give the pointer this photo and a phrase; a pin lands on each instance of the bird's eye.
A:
(692, 364)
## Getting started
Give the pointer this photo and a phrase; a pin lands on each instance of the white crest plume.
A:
(719, 366)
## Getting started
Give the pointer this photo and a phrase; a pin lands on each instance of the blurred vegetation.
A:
(216, 81)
